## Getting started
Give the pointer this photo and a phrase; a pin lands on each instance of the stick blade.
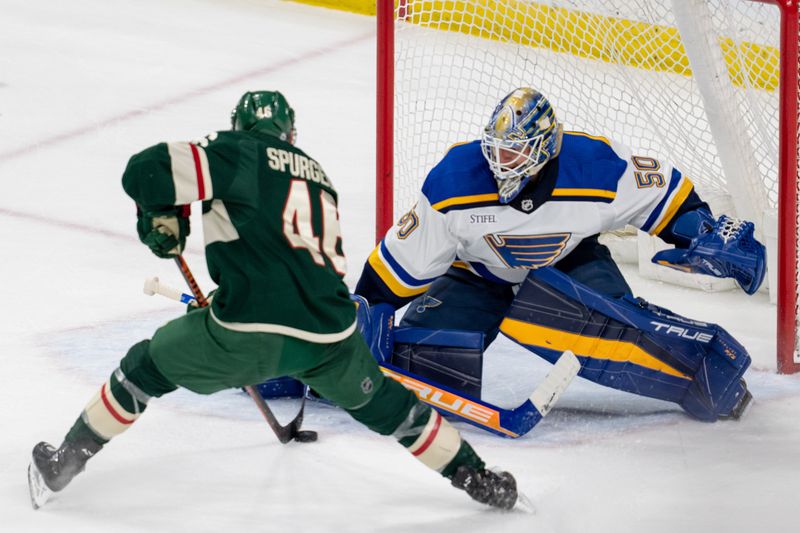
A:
(549, 391)
(306, 435)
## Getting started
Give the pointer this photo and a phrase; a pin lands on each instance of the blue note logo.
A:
(428, 302)
(527, 251)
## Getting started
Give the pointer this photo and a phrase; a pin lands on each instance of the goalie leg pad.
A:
(451, 358)
(630, 345)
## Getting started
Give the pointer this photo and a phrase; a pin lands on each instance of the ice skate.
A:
(498, 489)
(36, 486)
(52, 469)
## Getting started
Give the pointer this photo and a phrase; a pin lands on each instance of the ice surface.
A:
(85, 84)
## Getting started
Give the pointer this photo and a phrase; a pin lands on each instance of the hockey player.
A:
(273, 246)
(528, 195)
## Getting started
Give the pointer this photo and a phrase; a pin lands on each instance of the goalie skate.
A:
(742, 406)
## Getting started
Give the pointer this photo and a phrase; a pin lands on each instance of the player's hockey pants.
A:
(196, 353)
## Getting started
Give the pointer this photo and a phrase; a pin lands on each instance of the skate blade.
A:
(524, 504)
(743, 407)
(39, 492)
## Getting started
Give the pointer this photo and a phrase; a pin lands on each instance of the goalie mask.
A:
(267, 112)
(520, 138)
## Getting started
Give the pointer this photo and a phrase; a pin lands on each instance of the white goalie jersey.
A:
(594, 185)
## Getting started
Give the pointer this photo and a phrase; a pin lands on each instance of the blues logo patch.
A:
(527, 251)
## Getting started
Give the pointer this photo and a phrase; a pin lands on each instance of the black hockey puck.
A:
(306, 436)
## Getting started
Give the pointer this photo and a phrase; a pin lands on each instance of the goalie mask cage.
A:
(710, 85)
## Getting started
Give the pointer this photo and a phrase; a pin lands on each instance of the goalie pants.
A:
(464, 301)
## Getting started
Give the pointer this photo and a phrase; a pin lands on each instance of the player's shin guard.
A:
(631, 345)
(111, 411)
(435, 442)
(114, 408)
(431, 439)
(123, 398)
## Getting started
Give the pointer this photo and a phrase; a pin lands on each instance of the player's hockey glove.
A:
(164, 231)
(724, 248)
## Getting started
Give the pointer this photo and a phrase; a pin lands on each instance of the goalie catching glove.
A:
(164, 231)
(724, 248)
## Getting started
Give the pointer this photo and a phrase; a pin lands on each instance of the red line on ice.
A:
(202, 91)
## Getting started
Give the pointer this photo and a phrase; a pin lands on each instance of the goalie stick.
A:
(510, 423)
(290, 431)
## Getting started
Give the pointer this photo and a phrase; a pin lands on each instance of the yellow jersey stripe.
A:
(389, 278)
(462, 143)
(677, 200)
(593, 347)
(461, 200)
(585, 192)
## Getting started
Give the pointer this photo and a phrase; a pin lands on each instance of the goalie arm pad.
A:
(693, 202)
(724, 248)
(372, 288)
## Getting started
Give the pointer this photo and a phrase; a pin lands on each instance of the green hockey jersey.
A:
(271, 230)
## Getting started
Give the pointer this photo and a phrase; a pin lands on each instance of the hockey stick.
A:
(511, 423)
(290, 431)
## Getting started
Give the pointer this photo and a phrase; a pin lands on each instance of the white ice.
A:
(85, 84)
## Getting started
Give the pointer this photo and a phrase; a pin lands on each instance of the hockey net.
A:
(695, 82)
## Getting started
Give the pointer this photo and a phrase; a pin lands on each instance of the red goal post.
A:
(547, 44)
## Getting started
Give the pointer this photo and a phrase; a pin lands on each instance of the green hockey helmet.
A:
(267, 112)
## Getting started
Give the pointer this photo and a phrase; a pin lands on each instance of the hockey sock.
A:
(116, 406)
(121, 399)
(437, 444)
